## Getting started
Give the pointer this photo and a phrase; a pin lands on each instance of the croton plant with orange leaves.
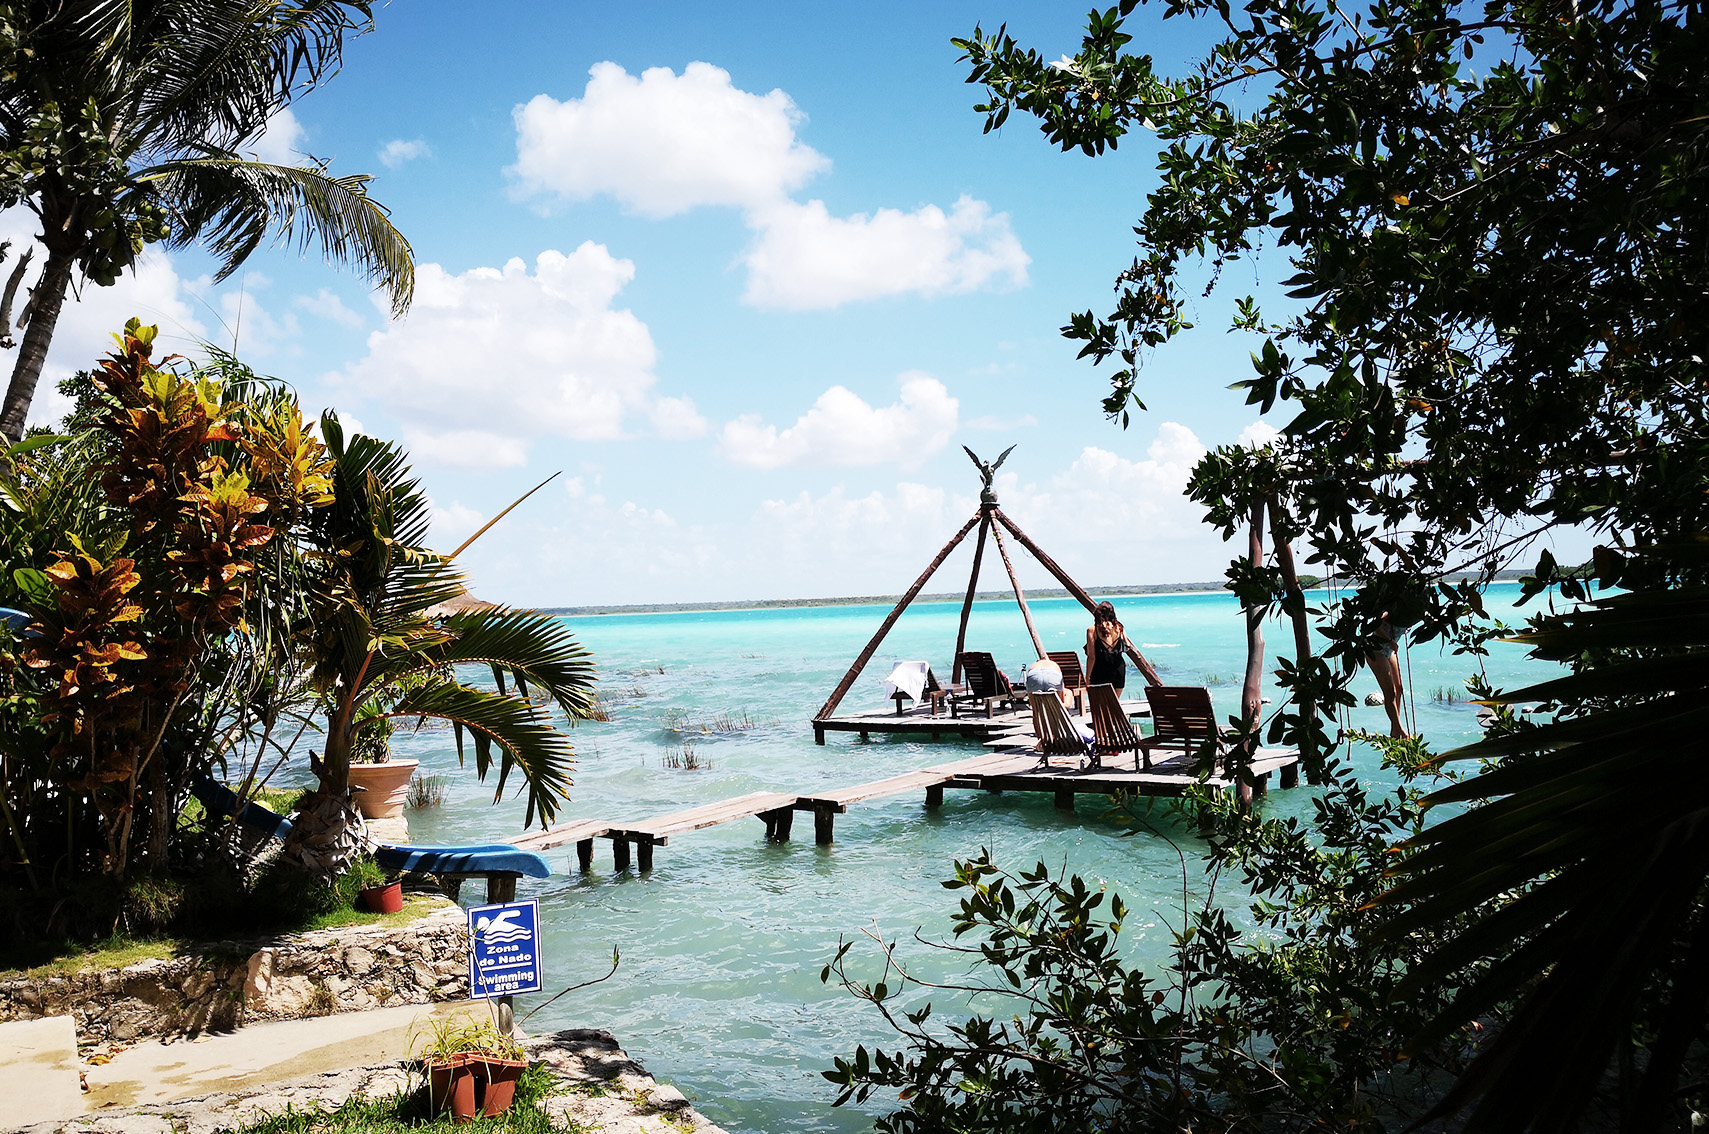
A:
(200, 483)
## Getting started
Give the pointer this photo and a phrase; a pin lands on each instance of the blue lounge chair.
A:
(474, 859)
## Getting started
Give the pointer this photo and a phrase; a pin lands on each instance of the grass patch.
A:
(416, 907)
(401, 1113)
(44, 960)
(426, 791)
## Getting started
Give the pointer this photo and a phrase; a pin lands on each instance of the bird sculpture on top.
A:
(987, 471)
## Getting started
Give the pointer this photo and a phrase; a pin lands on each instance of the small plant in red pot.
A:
(472, 1068)
(451, 1086)
(376, 889)
(499, 1076)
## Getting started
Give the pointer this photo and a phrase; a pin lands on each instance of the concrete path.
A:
(38, 1071)
(260, 1054)
(601, 1091)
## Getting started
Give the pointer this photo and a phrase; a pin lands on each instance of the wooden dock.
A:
(1012, 769)
(918, 720)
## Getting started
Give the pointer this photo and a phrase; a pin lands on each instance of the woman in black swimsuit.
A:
(1105, 641)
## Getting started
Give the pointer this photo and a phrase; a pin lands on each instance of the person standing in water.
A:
(1106, 664)
(1382, 657)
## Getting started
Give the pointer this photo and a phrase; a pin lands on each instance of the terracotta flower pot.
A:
(499, 1078)
(385, 787)
(384, 899)
(451, 1086)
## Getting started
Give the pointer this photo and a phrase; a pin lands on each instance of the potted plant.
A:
(382, 782)
(471, 1067)
(379, 890)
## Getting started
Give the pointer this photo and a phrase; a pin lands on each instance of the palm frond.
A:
(532, 648)
(524, 735)
(1575, 893)
(219, 69)
(232, 204)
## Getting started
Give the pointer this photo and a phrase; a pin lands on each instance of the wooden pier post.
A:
(644, 855)
(1065, 800)
(843, 686)
(935, 795)
(1145, 668)
(502, 888)
(1014, 581)
(972, 588)
(778, 823)
(824, 821)
(620, 853)
(584, 855)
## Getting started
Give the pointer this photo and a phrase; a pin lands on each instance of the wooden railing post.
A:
(967, 604)
(1075, 589)
(1014, 581)
(848, 680)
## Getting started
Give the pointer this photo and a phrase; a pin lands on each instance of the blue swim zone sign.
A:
(504, 949)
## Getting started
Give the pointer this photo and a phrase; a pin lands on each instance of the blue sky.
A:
(749, 275)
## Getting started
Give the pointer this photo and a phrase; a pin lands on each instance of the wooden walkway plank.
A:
(1013, 768)
(561, 835)
(659, 830)
(840, 798)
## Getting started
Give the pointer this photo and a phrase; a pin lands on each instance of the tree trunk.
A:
(327, 835)
(32, 352)
(1294, 602)
(1252, 691)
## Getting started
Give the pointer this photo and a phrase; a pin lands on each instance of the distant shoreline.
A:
(1134, 591)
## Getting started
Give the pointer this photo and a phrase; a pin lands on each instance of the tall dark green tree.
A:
(1491, 223)
(126, 124)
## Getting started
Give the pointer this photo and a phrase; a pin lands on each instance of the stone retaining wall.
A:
(227, 984)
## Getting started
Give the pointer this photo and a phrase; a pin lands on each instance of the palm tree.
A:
(124, 124)
(1573, 897)
(379, 656)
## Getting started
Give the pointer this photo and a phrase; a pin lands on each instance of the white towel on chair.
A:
(908, 679)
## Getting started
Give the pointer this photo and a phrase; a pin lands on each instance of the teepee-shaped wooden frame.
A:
(990, 520)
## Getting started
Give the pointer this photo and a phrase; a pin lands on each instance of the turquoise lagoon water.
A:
(722, 943)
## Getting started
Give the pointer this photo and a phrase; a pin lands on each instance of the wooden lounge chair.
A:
(986, 683)
(1057, 735)
(1112, 730)
(1073, 677)
(1183, 718)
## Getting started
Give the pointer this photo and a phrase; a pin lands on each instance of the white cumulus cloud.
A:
(842, 429)
(327, 305)
(280, 141)
(663, 143)
(1257, 435)
(804, 258)
(490, 359)
(399, 150)
(452, 524)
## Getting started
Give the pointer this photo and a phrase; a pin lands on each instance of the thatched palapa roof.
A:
(461, 604)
